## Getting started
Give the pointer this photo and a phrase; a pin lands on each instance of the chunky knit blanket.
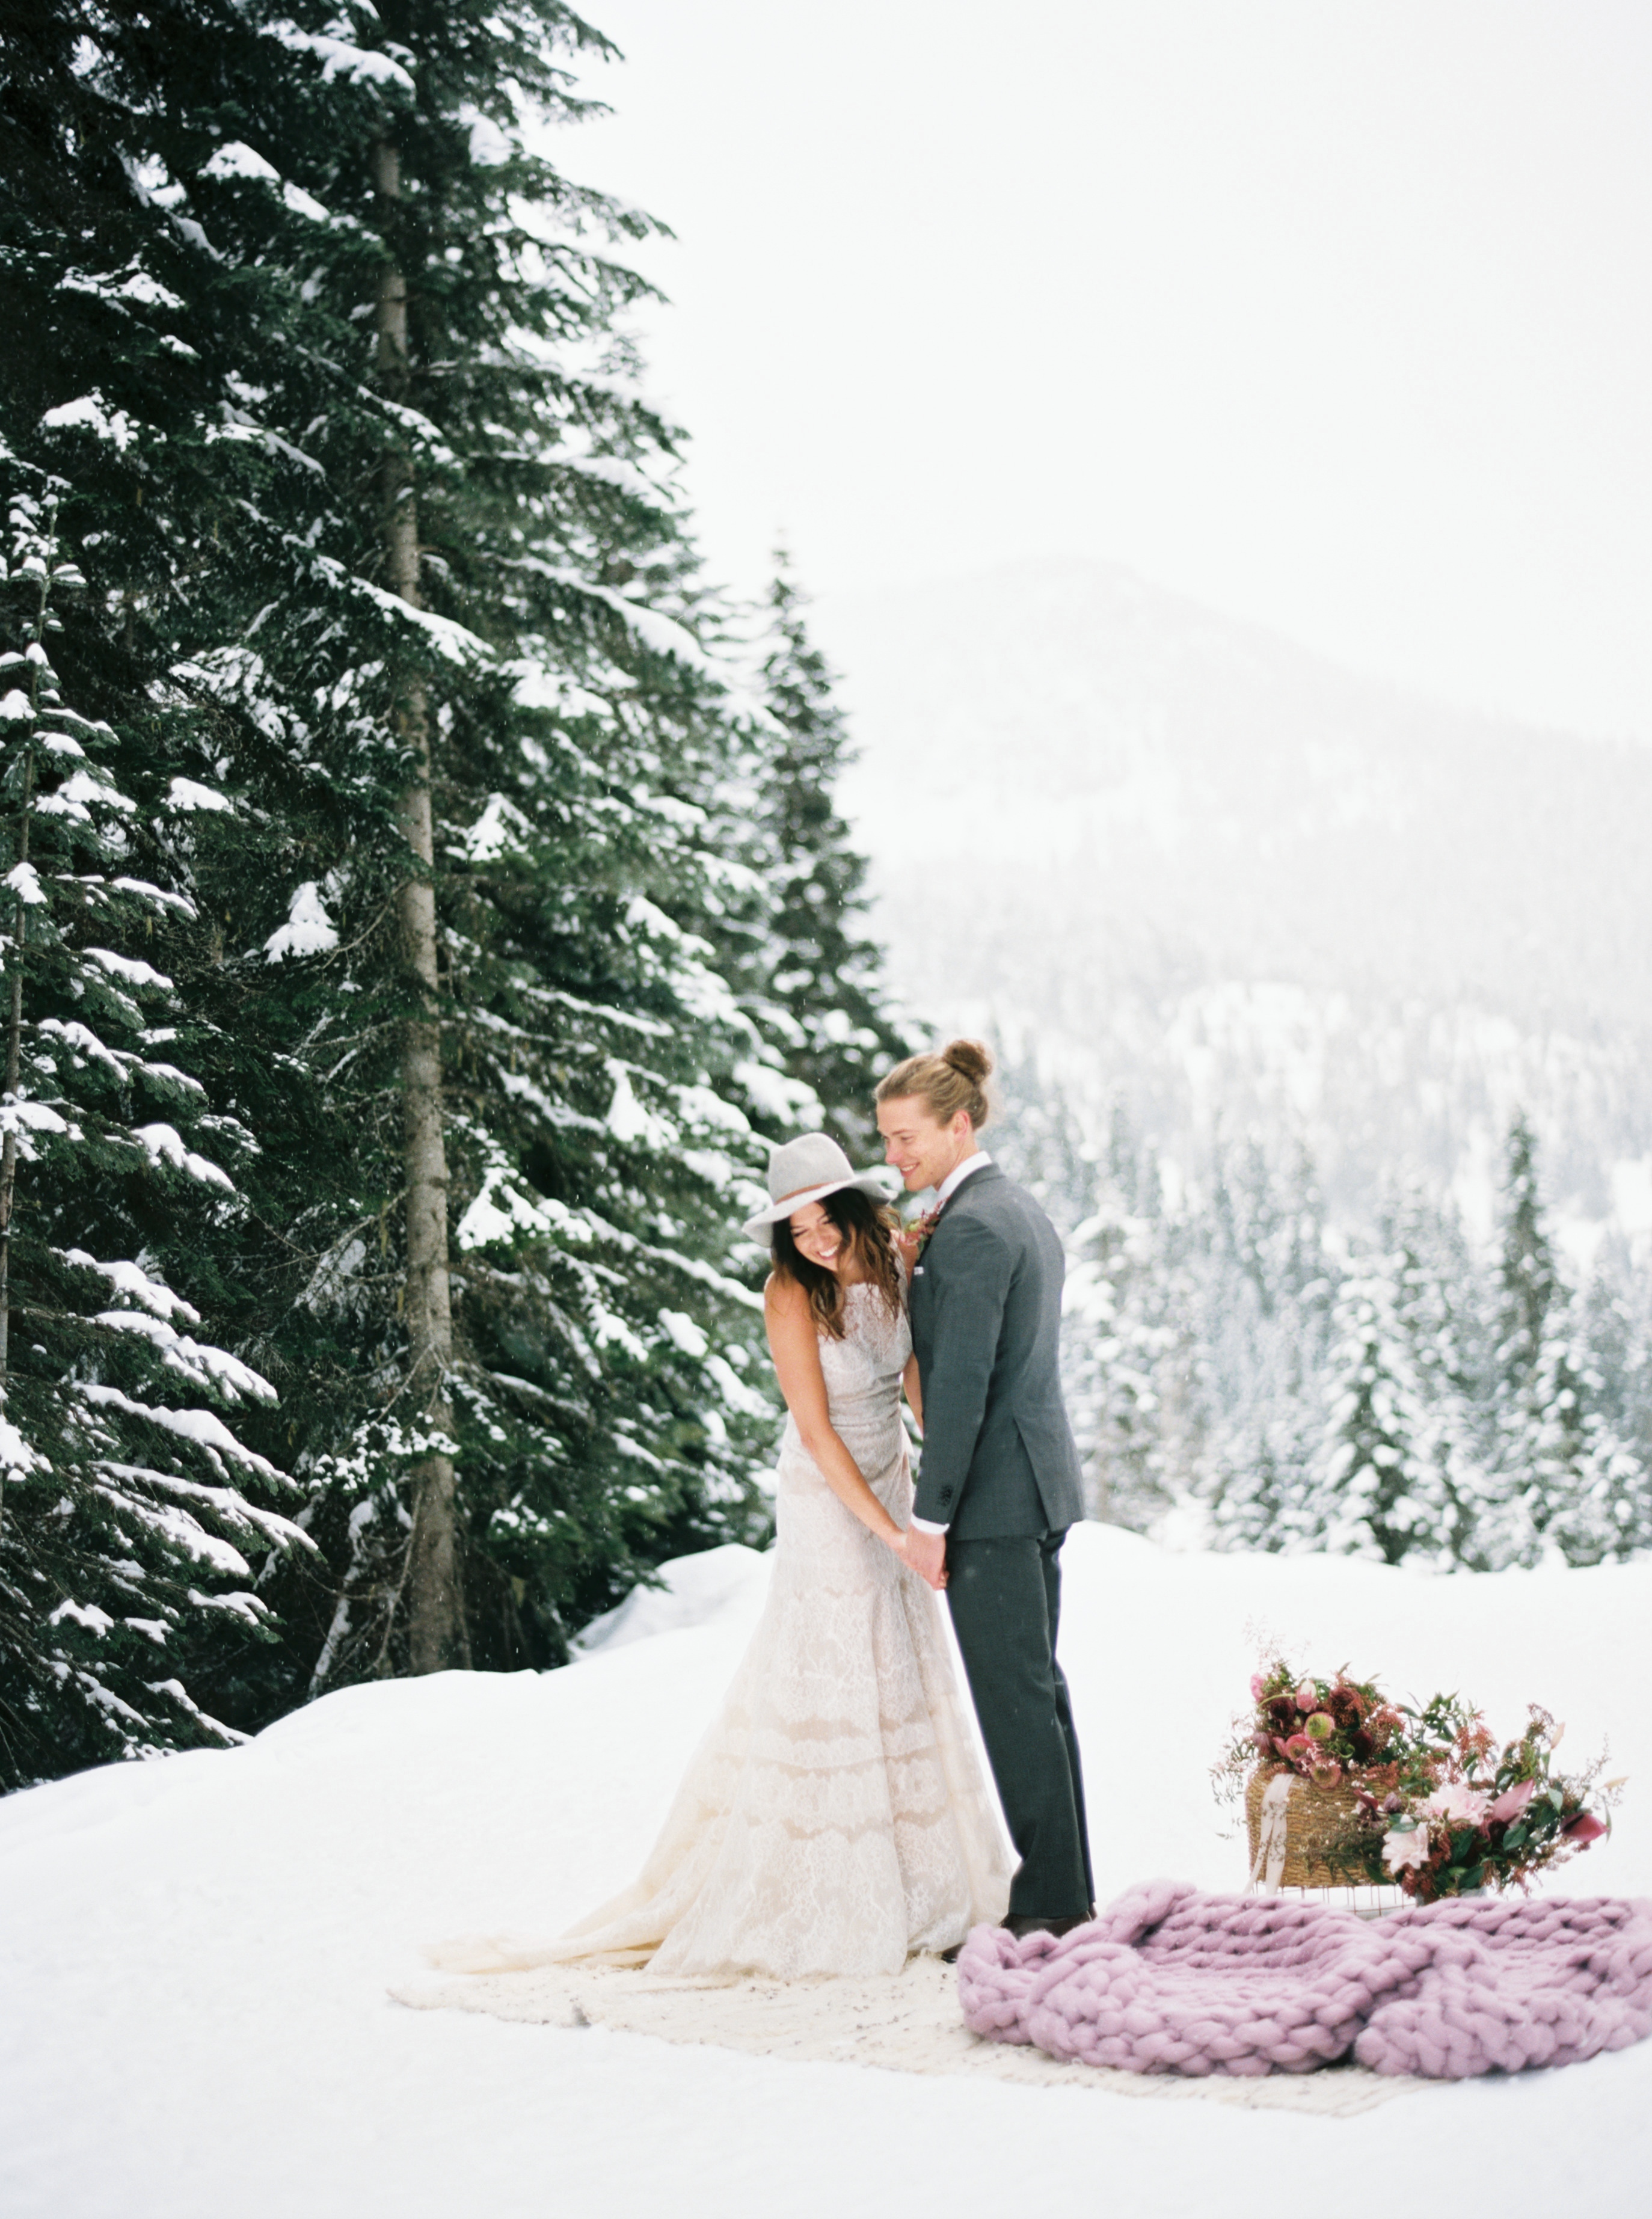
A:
(1170, 1981)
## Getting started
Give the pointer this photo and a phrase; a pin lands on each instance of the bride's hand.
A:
(926, 1554)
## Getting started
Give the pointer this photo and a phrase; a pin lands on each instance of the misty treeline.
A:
(1239, 1366)
(422, 891)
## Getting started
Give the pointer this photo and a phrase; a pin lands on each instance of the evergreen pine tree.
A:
(814, 974)
(1534, 1414)
(124, 1512)
(1380, 1493)
(1592, 1486)
(363, 481)
(1119, 1342)
(1615, 1328)
(1266, 1293)
(1437, 1311)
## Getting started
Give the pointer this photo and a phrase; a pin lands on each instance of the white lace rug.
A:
(909, 2024)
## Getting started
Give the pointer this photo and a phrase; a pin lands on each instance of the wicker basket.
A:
(1315, 1819)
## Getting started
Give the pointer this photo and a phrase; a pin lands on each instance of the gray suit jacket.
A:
(999, 1456)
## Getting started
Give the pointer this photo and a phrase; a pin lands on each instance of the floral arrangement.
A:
(1432, 1804)
(917, 1233)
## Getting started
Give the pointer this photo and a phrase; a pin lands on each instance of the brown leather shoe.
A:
(1024, 1923)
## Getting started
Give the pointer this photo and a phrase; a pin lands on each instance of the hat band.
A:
(779, 1201)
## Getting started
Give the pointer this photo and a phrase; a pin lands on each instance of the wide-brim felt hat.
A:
(805, 1170)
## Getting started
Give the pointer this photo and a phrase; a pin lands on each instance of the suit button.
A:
(946, 1495)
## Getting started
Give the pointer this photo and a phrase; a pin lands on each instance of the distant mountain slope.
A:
(1188, 862)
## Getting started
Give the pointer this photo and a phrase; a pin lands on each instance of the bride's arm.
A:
(796, 1350)
(914, 1389)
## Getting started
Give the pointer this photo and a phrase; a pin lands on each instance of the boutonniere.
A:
(919, 1233)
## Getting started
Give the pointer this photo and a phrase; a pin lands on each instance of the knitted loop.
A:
(1169, 1980)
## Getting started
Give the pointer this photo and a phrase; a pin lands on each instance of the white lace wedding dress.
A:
(835, 1817)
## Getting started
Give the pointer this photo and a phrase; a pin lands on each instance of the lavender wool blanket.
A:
(1170, 1981)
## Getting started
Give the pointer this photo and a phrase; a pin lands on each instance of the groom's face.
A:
(922, 1151)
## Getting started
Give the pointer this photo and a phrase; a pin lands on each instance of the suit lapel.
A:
(987, 1171)
(919, 1284)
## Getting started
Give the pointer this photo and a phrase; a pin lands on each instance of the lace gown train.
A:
(835, 1817)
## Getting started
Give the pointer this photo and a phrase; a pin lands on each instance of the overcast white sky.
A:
(1333, 312)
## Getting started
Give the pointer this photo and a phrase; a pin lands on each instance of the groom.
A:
(999, 1482)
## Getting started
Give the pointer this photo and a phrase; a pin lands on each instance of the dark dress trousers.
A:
(1000, 1471)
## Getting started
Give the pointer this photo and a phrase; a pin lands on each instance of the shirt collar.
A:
(959, 1173)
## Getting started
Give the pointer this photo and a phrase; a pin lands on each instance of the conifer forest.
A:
(426, 898)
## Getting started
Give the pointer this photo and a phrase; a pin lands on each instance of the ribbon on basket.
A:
(1270, 1864)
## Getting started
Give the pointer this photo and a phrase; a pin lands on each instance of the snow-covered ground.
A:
(196, 1953)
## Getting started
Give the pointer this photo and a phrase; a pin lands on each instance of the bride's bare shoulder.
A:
(783, 1298)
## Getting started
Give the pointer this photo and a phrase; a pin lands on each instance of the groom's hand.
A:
(927, 1555)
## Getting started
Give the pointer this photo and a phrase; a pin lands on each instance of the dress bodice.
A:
(870, 1359)
(863, 1391)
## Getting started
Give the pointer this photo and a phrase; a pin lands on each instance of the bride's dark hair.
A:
(869, 1229)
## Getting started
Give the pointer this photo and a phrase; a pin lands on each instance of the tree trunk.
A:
(14, 1014)
(14, 1081)
(435, 1602)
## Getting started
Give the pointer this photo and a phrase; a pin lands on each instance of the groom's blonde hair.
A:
(954, 1080)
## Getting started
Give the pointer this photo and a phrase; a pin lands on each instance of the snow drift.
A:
(196, 1952)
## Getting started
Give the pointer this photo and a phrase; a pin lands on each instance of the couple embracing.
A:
(836, 1818)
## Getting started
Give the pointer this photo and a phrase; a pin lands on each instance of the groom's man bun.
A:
(954, 1080)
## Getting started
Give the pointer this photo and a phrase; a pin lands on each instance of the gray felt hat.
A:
(806, 1171)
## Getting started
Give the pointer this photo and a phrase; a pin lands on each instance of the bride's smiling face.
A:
(817, 1237)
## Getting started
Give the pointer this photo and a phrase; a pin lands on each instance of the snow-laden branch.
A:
(208, 1432)
(165, 1144)
(201, 1365)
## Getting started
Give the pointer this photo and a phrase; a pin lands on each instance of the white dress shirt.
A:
(958, 1174)
(944, 1194)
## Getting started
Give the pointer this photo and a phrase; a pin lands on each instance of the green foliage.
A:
(1233, 1364)
(127, 1519)
(210, 207)
(808, 972)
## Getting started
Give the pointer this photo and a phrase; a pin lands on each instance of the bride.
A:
(835, 1817)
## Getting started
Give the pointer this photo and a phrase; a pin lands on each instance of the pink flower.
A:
(1298, 1748)
(1584, 1828)
(1326, 1772)
(1410, 1847)
(1512, 1800)
(1457, 1803)
(1307, 1696)
(1258, 1683)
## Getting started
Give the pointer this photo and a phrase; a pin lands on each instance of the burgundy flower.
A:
(1510, 1804)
